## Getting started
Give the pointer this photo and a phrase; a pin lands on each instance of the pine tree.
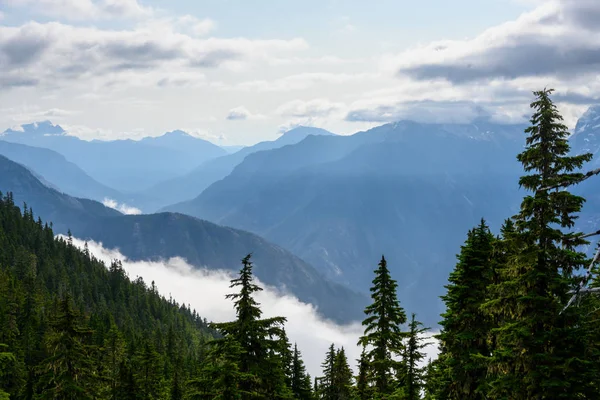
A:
(301, 384)
(114, 352)
(413, 381)
(326, 391)
(382, 330)
(363, 389)
(68, 372)
(8, 362)
(538, 352)
(435, 387)
(341, 379)
(465, 326)
(260, 363)
(149, 377)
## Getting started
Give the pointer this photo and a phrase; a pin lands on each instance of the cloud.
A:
(559, 38)
(238, 113)
(241, 113)
(301, 81)
(197, 26)
(205, 291)
(84, 9)
(124, 208)
(57, 54)
(311, 108)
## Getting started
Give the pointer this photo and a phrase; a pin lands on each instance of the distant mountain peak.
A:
(177, 133)
(42, 128)
(586, 137)
(589, 120)
(307, 130)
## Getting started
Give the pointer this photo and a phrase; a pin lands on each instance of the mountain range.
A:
(165, 235)
(125, 165)
(193, 183)
(408, 190)
(335, 203)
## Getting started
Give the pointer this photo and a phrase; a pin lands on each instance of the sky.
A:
(205, 292)
(237, 72)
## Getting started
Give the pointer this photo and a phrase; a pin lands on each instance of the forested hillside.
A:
(64, 315)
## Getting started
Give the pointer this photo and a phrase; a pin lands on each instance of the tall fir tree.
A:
(149, 377)
(301, 383)
(68, 372)
(363, 387)
(383, 331)
(413, 380)
(260, 360)
(341, 378)
(465, 325)
(538, 351)
(325, 389)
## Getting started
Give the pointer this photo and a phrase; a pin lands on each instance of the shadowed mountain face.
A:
(193, 183)
(410, 191)
(125, 165)
(165, 235)
(63, 175)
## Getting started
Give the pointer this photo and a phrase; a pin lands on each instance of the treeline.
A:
(71, 328)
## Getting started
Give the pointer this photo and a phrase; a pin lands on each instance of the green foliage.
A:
(263, 345)
(77, 329)
(300, 379)
(68, 371)
(465, 326)
(382, 330)
(538, 350)
(411, 383)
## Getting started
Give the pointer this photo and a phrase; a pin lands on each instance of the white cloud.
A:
(310, 108)
(205, 291)
(558, 38)
(124, 208)
(55, 54)
(84, 9)
(301, 81)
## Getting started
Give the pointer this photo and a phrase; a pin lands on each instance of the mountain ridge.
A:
(166, 235)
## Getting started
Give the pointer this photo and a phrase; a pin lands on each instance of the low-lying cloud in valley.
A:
(121, 207)
(205, 291)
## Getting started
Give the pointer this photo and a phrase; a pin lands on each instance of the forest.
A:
(521, 320)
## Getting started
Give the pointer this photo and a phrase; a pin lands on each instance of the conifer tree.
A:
(8, 362)
(383, 331)
(538, 352)
(465, 326)
(149, 376)
(326, 391)
(341, 379)
(301, 383)
(363, 390)
(413, 381)
(260, 363)
(114, 353)
(68, 373)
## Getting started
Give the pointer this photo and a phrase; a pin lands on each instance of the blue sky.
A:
(237, 72)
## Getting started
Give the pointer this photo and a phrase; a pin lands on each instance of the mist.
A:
(205, 290)
(121, 207)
